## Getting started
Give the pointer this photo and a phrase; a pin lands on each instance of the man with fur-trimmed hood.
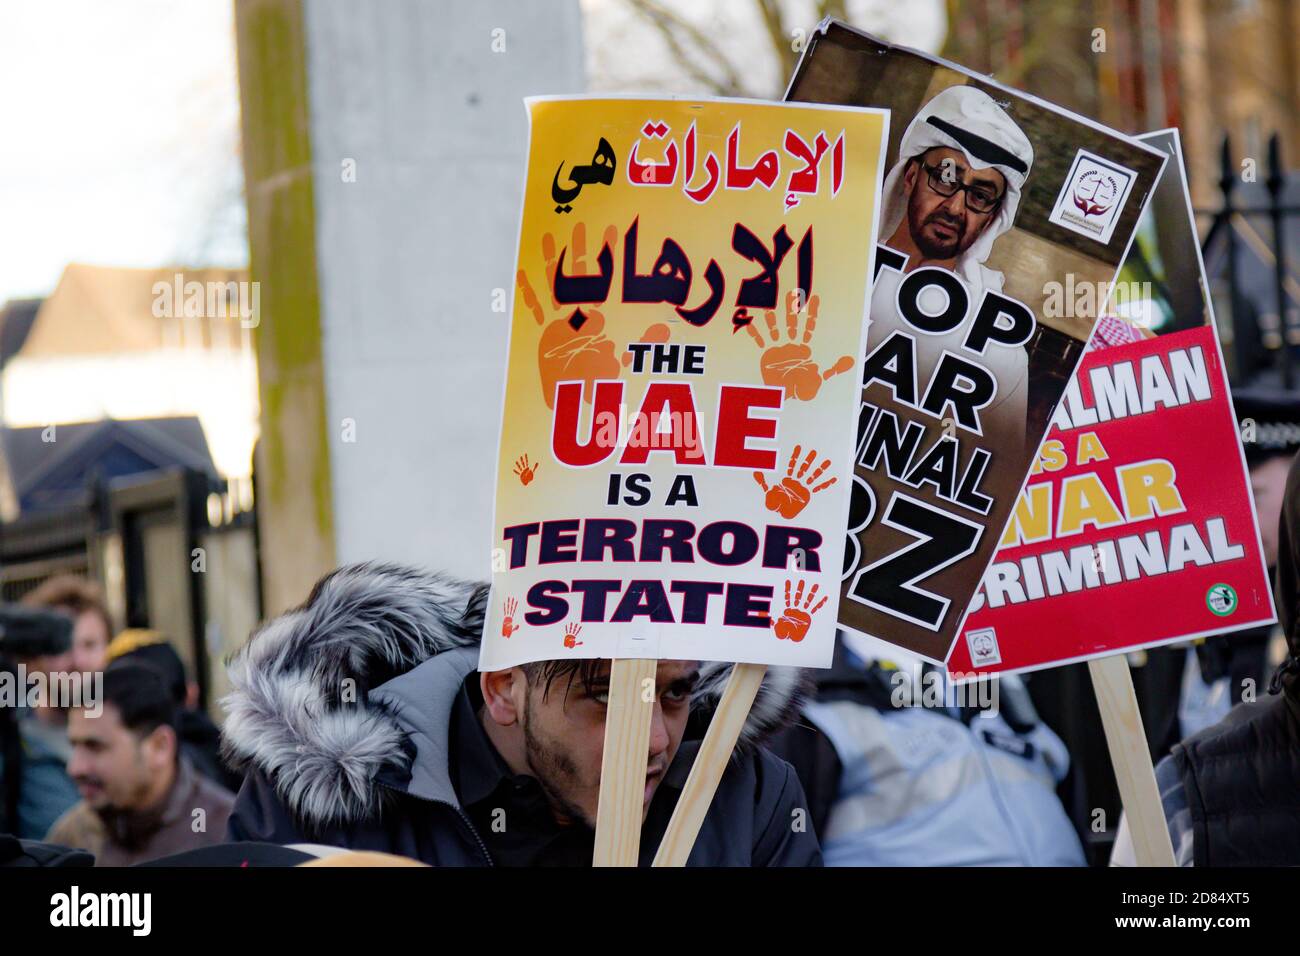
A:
(364, 723)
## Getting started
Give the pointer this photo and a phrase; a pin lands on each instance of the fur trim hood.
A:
(304, 708)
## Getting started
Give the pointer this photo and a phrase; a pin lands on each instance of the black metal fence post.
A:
(1276, 183)
(1242, 340)
(1253, 341)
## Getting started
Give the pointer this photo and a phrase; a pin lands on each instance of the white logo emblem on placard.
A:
(1092, 196)
(983, 645)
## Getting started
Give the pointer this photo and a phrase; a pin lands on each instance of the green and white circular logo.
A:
(1221, 599)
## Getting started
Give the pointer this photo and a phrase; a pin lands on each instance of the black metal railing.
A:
(1263, 340)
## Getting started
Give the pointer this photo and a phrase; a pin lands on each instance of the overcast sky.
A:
(120, 137)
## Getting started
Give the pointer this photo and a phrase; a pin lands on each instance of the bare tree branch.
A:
(673, 28)
(770, 11)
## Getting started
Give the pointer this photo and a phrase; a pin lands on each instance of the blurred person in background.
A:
(1186, 688)
(902, 769)
(47, 791)
(92, 626)
(34, 750)
(140, 797)
(200, 737)
(1231, 792)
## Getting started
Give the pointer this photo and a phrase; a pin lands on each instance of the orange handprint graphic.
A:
(790, 366)
(574, 347)
(792, 495)
(571, 632)
(793, 623)
(508, 625)
(655, 333)
(525, 471)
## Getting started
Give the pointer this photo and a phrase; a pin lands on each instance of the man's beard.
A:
(936, 249)
(130, 828)
(551, 767)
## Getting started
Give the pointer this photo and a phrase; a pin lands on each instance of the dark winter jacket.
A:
(1231, 793)
(342, 712)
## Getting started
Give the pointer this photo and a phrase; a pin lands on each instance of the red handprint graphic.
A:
(793, 493)
(565, 353)
(508, 625)
(790, 365)
(525, 471)
(793, 623)
(571, 632)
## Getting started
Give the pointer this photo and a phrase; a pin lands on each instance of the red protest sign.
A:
(1136, 527)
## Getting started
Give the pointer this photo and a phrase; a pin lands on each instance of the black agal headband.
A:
(979, 147)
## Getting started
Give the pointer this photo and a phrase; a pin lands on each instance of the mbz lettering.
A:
(889, 585)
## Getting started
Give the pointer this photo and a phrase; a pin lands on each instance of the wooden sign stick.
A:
(710, 763)
(623, 764)
(1113, 683)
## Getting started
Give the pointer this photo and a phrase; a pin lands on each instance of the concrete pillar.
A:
(384, 149)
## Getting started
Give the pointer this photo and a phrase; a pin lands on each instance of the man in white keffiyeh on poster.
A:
(954, 191)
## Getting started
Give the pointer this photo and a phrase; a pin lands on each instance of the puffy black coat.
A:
(1235, 786)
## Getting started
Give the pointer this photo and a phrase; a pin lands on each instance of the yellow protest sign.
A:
(682, 381)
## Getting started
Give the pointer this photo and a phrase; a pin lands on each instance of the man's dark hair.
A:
(162, 659)
(586, 671)
(140, 696)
